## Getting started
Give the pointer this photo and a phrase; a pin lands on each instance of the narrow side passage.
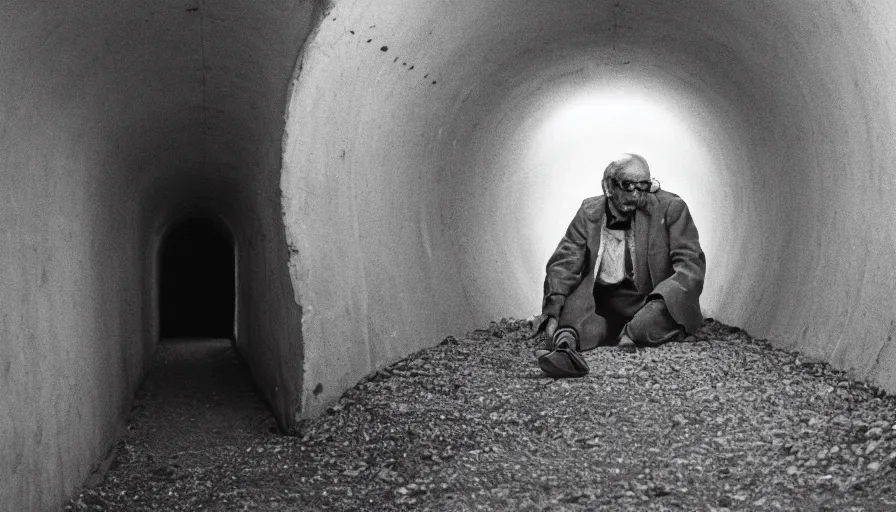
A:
(107, 111)
(193, 418)
(197, 288)
(199, 396)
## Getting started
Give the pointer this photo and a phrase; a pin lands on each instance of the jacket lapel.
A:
(596, 216)
(643, 221)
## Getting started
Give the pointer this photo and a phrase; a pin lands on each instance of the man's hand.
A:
(545, 324)
(550, 327)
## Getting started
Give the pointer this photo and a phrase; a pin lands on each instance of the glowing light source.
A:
(528, 166)
(574, 145)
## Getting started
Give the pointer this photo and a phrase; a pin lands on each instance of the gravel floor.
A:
(719, 422)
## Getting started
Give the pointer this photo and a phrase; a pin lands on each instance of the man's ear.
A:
(654, 185)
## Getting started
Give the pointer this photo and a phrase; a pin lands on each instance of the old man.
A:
(629, 270)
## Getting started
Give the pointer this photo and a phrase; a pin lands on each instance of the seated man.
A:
(629, 268)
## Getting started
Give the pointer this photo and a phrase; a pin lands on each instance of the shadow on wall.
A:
(197, 281)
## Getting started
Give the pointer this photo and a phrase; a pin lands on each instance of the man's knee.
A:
(652, 324)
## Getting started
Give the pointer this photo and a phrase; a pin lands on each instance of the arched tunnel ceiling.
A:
(406, 153)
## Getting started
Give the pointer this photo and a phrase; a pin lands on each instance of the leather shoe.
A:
(558, 358)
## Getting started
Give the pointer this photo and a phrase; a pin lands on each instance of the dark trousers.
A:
(620, 309)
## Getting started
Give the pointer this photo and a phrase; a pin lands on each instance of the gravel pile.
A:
(720, 421)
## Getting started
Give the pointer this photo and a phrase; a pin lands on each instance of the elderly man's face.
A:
(621, 190)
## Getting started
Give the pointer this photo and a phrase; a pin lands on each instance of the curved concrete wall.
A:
(426, 179)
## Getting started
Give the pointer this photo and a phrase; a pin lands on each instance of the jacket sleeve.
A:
(685, 285)
(565, 267)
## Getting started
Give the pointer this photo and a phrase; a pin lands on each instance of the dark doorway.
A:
(197, 285)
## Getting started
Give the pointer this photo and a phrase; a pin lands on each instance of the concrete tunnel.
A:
(396, 172)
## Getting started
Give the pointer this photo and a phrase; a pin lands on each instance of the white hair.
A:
(622, 162)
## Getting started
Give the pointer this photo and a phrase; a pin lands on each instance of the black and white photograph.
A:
(448, 255)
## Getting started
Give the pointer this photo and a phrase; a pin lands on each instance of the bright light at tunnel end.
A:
(573, 146)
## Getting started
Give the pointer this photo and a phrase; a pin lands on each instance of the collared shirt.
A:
(614, 222)
(614, 257)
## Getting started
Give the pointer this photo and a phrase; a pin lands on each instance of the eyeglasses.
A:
(644, 186)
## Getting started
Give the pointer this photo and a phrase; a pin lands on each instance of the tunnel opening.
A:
(197, 285)
(198, 361)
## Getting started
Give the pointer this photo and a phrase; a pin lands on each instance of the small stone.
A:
(874, 433)
(660, 490)
(792, 470)
(874, 466)
(871, 447)
(725, 501)
(678, 419)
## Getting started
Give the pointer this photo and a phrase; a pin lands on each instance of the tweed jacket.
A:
(667, 261)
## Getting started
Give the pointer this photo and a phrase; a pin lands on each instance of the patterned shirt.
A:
(617, 245)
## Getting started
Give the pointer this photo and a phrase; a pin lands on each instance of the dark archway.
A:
(197, 283)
